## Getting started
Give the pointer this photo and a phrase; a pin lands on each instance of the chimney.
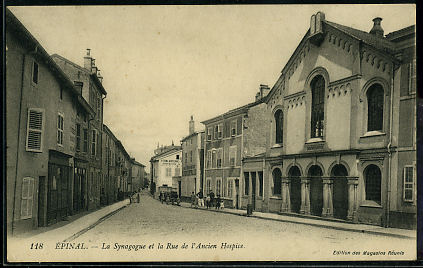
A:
(99, 76)
(257, 96)
(87, 60)
(93, 67)
(264, 90)
(79, 86)
(191, 125)
(377, 28)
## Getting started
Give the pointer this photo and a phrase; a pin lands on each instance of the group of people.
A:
(197, 200)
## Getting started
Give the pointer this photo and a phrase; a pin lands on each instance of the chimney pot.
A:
(377, 29)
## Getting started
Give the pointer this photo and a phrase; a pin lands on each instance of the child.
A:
(222, 204)
(218, 200)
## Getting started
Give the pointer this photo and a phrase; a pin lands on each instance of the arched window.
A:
(373, 180)
(317, 106)
(279, 126)
(375, 108)
(277, 181)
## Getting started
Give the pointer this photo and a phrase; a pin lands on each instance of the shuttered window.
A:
(35, 126)
(27, 197)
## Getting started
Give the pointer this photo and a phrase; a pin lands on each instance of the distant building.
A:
(138, 175)
(229, 138)
(166, 167)
(192, 161)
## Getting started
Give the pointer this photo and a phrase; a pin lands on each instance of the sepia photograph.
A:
(210, 133)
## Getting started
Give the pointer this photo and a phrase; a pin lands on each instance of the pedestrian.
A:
(193, 199)
(211, 198)
(200, 198)
(208, 201)
(218, 200)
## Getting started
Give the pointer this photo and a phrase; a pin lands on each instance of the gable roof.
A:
(369, 39)
(92, 75)
(17, 28)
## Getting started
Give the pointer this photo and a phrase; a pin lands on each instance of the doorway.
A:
(340, 191)
(236, 193)
(316, 190)
(295, 191)
(57, 193)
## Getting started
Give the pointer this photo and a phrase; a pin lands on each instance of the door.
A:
(340, 192)
(295, 191)
(236, 193)
(57, 193)
(253, 190)
(316, 190)
(179, 188)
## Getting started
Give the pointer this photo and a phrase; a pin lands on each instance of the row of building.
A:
(61, 158)
(335, 137)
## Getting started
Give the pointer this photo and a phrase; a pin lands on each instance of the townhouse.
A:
(42, 107)
(192, 161)
(230, 137)
(342, 139)
(89, 81)
(137, 175)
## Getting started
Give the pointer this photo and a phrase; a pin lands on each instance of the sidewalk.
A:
(69, 231)
(317, 222)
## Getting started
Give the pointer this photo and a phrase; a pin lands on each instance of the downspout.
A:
(18, 142)
(89, 153)
(388, 201)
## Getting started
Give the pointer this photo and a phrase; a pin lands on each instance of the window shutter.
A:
(27, 196)
(34, 137)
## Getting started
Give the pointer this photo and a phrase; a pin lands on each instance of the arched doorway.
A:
(340, 191)
(295, 191)
(316, 190)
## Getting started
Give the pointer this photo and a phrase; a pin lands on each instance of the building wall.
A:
(25, 94)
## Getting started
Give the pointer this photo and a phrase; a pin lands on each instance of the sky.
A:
(162, 64)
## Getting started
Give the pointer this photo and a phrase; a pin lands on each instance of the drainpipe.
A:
(18, 138)
(89, 166)
(388, 202)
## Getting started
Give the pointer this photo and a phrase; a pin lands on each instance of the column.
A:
(327, 198)
(286, 202)
(305, 196)
(352, 199)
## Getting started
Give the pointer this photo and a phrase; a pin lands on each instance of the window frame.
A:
(219, 153)
(273, 184)
(209, 133)
(214, 158)
(93, 142)
(233, 128)
(219, 131)
(367, 185)
(60, 128)
(29, 129)
(78, 138)
(232, 151)
(85, 140)
(278, 126)
(374, 108)
(405, 183)
(219, 186)
(317, 107)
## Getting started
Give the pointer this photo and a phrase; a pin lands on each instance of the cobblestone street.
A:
(152, 222)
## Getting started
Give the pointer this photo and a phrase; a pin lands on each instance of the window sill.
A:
(373, 134)
(315, 140)
(277, 145)
(276, 197)
(370, 204)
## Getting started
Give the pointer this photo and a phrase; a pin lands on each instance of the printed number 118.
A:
(36, 245)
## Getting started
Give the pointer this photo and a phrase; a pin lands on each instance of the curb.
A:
(86, 229)
(314, 224)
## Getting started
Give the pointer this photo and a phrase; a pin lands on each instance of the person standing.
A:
(218, 200)
(193, 200)
(208, 201)
(211, 198)
(200, 198)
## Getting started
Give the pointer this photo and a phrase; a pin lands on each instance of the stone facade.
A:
(345, 165)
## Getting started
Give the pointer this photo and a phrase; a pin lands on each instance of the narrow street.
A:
(151, 222)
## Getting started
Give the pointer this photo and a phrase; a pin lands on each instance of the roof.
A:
(401, 32)
(190, 135)
(236, 111)
(110, 132)
(166, 152)
(369, 39)
(14, 25)
(92, 75)
(137, 163)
